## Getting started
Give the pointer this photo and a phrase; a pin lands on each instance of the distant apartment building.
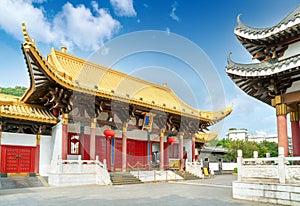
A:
(242, 134)
(261, 138)
(237, 134)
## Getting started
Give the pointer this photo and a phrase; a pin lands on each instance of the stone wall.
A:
(274, 193)
(273, 180)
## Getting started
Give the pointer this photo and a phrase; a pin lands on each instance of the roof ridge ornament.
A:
(229, 61)
(238, 19)
(26, 35)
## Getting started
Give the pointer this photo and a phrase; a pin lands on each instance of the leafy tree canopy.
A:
(247, 147)
(16, 91)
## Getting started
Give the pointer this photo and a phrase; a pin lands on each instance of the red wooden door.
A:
(103, 150)
(18, 159)
(137, 153)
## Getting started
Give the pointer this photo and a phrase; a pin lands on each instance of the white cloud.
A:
(172, 14)
(257, 117)
(123, 7)
(77, 25)
(73, 26)
(168, 30)
(104, 50)
(13, 13)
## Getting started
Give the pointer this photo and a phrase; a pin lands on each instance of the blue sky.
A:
(86, 26)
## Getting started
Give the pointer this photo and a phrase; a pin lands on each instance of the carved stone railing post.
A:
(60, 163)
(255, 154)
(104, 164)
(239, 164)
(281, 165)
(79, 164)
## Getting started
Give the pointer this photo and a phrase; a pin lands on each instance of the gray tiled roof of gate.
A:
(251, 30)
(272, 64)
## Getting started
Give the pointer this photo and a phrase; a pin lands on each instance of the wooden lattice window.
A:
(74, 144)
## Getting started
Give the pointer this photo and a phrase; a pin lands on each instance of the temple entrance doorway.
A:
(17, 159)
(155, 155)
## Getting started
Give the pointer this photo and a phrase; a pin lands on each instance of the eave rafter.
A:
(269, 43)
(264, 88)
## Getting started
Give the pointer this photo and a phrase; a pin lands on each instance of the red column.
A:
(294, 117)
(64, 151)
(161, 159)
(193, 149)
(81, 140)
(93, 138)
(181, 150)
(0, 147)
(37, 152)
(108, 158)
(281, 112)
(124, 148)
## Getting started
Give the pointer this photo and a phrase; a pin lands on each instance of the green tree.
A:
(16, 91)
(272, 148)
(248, 148)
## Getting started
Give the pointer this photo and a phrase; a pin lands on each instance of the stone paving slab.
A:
(153, 194)
(21, 182)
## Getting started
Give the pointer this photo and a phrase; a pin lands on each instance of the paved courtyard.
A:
(214, 191)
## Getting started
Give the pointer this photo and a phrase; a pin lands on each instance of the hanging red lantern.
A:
(172, 140)
(109, 133)
(55, 112)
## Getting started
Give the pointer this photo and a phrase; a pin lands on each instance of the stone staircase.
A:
(123, 178)
(186, 175)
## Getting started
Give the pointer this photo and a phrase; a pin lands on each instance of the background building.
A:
(237, 134)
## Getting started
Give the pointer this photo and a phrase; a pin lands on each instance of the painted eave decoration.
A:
(12, 107)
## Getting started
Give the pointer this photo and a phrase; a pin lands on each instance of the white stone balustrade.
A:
(78, 172)
(272, 180)
(194, 168)
(279, 169)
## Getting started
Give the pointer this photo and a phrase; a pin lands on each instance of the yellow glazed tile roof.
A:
(102, 80)
(205, 137)
(12, 107)
(80, 75)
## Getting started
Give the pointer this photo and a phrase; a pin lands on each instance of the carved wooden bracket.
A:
(58, 98)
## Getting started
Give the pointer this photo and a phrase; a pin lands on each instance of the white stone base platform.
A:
(275, 193)
(73, 179)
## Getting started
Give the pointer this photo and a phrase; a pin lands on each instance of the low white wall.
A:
(282, 194)
(214, 166)
(45, 155)
(18, 139)
(226, 166)
(71, 179)
(229, 166)
(56, 141)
